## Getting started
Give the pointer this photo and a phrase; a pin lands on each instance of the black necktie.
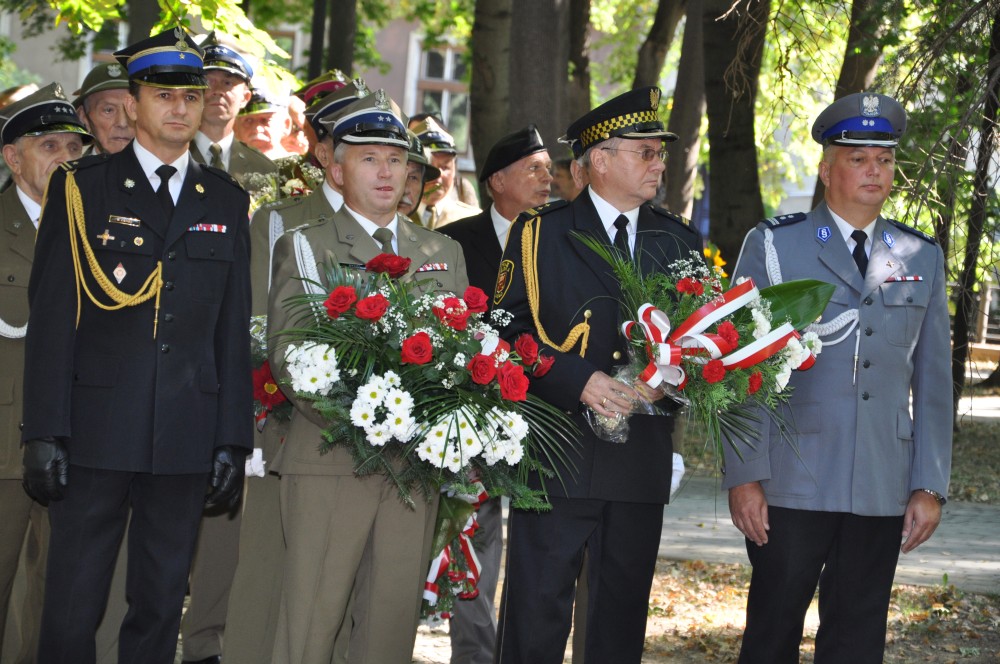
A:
(163, 191)
(621, 236)
(860, 257)
(383, 236)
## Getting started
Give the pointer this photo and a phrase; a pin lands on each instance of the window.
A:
(440, 87)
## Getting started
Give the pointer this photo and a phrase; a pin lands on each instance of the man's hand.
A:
(748, 508)
(46, 469)
(226, 480)
(923, 514)
(607, 396)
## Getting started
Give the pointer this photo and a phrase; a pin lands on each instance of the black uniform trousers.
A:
(87, 527)
(619, 580)
(854, 560)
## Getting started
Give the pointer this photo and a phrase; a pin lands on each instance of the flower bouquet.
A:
(268, 399)
(295, 177)
(419, 387)
(720, 351)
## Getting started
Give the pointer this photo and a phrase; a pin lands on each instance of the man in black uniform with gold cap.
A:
(612, 501)
(137, 367)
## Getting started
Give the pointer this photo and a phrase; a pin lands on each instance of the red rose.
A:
(690, 285)
(728, 332)
(545, 363)
(417, 349)
(372, 307)
(391, 264)
(482, 368)
(340, 300)
(453, 314)
(513, 382)
(756, 380)
(265, 388)
(527, 349)
(713, 371)
(475, 299)
(502, 347)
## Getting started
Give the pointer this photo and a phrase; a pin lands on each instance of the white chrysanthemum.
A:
(378, 435)
(467, 437)
(794, 353)
(432, 449)
(781, 380)
(453, 459)
(514, 426)
(398, 401)
(812, 341)
(761, 323)
(513, 452)
(392, 379)
(373, 391)
(493, 451)
(402, 426)
(363, 414)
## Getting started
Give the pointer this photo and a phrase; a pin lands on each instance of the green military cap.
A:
(434, 137)
(865, 119)
(105, 76)
(373, 120)
(263, 101)
(170, 59)
(46, 111)
(418, 155)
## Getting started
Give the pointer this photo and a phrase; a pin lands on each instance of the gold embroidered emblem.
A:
(504, 278)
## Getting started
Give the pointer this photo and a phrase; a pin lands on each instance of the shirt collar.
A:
(501, 226)
(370, 227)
(609, 213)
(203, 143)
(150, 162)
(33, 209)
(333, 197)
(846, 229)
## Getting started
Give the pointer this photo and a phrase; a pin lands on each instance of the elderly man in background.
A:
(37, 133)
(440, 206)
(100, 103)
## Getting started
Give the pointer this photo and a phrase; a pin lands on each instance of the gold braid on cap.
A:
(602, 130)
(529, 256)
(78, 227)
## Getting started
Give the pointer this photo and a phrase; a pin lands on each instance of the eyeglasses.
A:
(647, 154)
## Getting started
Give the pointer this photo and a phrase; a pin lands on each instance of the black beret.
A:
(511, 148)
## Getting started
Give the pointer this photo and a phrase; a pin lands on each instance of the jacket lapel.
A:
(586, 221)
(883, 262)
(138, 194)
(833, 251)
(190, 208)
(16, 222)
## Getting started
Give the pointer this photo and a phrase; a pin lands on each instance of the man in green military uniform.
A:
(100, 104)
(37, 133)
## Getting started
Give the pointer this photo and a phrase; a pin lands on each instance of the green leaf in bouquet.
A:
(799, 302)
(453, 513)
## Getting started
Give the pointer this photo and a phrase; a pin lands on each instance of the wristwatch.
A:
(937, 496)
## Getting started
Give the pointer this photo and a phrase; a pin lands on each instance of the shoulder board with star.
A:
(676, 218)
(221, 174)
(83, 162)
(544, 209)
(785, 220)
(912, 231)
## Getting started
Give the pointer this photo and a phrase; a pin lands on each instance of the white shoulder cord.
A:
(306, 262)
(10, 332)
(275, 229)
(848, 319)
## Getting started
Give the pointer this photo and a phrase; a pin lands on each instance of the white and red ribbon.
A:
(443, 560)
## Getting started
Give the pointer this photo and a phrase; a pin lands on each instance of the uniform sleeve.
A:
(51, 336)
(932, 405)
(749, 461)
(232, 343)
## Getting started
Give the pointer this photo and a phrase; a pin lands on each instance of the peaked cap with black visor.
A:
(170, 59)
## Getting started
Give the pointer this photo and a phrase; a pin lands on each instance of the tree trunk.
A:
(861, 58)
(955, 159)
(142, 16)
(732, 58)
(965, 304)
(490, 85)
(653, 51)
(316, 38)
(340, 37)
(539, 65)
(578, 86)
(685, 118)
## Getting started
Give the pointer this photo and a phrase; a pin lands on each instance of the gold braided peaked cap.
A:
(634, 114)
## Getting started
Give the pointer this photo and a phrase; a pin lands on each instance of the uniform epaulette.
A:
(676, 218)
(544, 209)
(221, 174)
(785, 219)
(282, 203)
(913, 231)
(84, 162)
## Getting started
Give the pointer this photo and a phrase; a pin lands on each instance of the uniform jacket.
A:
(17, 246)
(448, 210)
(123, 399)
(243, 160)
(481, 247)
(343, 240)
(573, 283)
(853, 444)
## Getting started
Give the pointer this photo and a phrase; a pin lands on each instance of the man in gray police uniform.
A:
(857, 470)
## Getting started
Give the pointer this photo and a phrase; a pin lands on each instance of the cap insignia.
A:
(381, 101)
(870, 106)
(115, 70)
(181, 44)
(654, 98)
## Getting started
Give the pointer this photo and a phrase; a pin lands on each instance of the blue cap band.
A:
(165, 58)
(860, 124)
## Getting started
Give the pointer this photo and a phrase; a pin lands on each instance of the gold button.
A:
(587, 314)
(138, 241)
(617, 355)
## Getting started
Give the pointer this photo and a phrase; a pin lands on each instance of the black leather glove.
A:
(226, 480)
(46, 469)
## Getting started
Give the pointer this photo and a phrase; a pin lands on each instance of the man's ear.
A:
(10, 156)
(130, 103)
(496, 182)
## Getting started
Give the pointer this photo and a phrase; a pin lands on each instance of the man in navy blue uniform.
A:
(611, 500)
(137, 367)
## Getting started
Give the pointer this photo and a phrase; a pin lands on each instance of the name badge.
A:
(125, 221)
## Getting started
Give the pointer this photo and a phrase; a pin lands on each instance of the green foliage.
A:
(10, 75)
